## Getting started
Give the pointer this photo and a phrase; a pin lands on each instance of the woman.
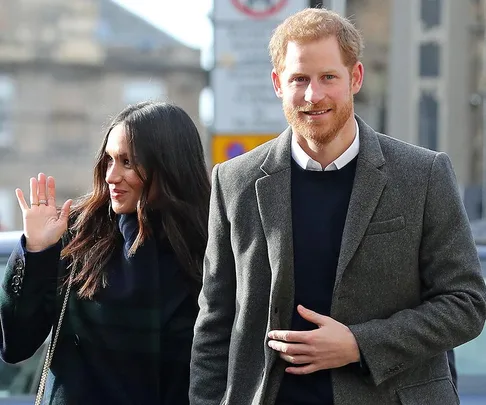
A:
(136, 245)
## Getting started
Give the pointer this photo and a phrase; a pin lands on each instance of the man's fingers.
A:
(289, 335)
(311, 316)
(21, 199)
(289, 348)
(310, 368)
(299, 359)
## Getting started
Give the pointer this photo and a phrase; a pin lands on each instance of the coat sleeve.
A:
(212, 334)
(453, 292)
(28, 301)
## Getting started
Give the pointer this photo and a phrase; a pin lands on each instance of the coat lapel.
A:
(274, 204)
(369, 183)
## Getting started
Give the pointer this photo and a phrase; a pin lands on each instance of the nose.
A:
(113, 174)
(314, 92)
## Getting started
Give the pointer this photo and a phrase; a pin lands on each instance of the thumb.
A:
(65, 209)
(311, 316)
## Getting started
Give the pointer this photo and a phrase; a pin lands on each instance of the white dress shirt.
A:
(307, 163)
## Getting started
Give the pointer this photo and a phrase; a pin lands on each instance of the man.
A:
(340, 265)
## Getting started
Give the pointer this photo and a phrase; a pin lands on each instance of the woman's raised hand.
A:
(43, 225)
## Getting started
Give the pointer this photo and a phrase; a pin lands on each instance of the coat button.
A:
(15, 289)
(76, 340)
(16, 280)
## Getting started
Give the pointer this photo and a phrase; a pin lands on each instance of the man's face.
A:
(317, 89)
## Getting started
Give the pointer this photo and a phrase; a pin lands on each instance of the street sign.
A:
(259, 9)
(225, 147)
(244, 99)
(278, 10)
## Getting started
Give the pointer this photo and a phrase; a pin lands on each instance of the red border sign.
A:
(255, 13)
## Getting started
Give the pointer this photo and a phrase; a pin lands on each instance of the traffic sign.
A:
(225, 147)
(259, 8)
(244, 99)
(251, 10)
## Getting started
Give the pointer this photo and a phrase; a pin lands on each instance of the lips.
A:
(317, 112)
(115, 193)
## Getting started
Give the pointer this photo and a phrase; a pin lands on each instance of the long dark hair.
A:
(170, 161)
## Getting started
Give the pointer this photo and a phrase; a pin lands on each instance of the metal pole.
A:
(339, 6)
(483, 171)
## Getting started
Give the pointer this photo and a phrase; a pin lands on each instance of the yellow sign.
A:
(225, 147)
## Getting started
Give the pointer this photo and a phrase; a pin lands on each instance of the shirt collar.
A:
(307, 163)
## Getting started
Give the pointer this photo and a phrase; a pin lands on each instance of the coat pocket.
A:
(388, 226)
(435, 392)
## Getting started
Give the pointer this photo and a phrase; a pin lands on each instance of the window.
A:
(430, 13)
(68, 136)
(429, 59)
(7, 94)
(144, 90)
(428, 120)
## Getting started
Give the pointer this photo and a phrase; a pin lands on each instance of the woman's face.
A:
(124, 183)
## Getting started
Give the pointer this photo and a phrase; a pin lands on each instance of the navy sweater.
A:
(319, 205)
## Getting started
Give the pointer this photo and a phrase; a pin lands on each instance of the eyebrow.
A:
(324, 72)
(121, 155)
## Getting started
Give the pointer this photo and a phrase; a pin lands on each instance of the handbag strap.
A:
(52, 345)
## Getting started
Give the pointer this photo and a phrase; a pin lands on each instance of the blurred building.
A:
(425, 79)
(432, 79)
(65, 68)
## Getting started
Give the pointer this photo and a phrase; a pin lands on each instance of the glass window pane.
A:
(430, 13)
(428, 120)
(429, 59)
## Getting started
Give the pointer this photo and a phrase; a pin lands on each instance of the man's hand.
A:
(331, 345)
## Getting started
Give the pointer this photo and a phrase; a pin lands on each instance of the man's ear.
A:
(357, 75)
(276, 84)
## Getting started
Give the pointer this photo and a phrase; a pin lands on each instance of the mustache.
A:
(314, 107)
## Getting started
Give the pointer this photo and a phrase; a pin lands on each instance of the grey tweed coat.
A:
(408, 282)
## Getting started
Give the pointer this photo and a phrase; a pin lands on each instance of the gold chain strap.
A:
(50, 350)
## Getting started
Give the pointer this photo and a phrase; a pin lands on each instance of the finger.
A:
(289, 348)
(65, 209)
(289, 335)
(296, 359)
(310, 368)
(311, 316)
(34, 198)
(20, 198)
(41, 186)
(51, 191)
